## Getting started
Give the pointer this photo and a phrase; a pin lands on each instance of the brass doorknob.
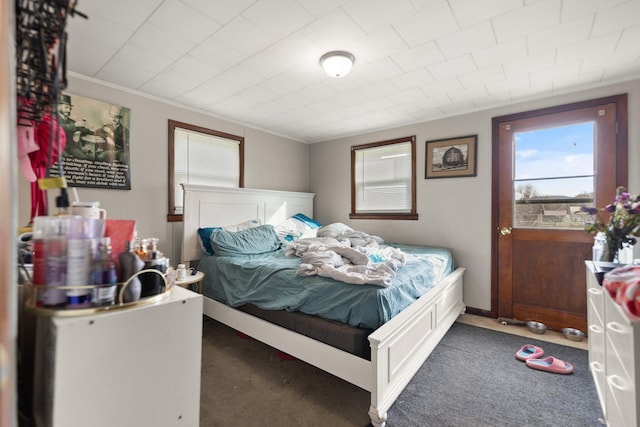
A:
(505, 231)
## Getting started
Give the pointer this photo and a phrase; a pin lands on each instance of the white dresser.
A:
(614, 351)
(126, 368)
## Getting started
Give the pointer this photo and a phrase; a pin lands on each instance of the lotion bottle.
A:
(104, 273)
(130, 263)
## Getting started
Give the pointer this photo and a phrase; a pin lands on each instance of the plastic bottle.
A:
(599, 242)
(181, 272)
(39, 266)
(55, 256)
(104, 273)
(130, 263)
(79, 262)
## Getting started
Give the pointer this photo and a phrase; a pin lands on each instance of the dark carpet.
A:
(473, 379)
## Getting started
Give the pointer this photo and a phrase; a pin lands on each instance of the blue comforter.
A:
(269, 281)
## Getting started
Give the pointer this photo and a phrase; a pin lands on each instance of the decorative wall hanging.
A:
(452, 157)
(96, 153)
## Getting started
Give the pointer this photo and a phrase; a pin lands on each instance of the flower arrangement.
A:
(623, 225)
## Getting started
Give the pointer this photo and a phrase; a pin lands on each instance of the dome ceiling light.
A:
(337, 63)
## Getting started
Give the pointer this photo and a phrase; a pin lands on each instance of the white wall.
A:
(453, 212)
(271, 162)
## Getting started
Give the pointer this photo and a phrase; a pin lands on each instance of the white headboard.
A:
(206, 206)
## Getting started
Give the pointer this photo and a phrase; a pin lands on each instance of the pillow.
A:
(205, 233)
(297, 227)
(334, 230)
(257, 240)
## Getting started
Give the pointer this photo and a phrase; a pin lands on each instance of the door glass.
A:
(553, 176)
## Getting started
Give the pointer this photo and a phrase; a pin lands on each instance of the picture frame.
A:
(96, 151)
(451, 157)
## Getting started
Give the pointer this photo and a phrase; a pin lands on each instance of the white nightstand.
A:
(191, 279)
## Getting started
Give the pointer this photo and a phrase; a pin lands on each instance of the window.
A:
(383, 180)
(201, 156)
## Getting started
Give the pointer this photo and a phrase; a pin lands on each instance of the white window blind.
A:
(204, 159)
(383, 179)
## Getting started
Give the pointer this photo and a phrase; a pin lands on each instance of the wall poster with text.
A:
(96, 153)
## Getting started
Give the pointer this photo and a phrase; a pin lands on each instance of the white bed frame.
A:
(398, 348)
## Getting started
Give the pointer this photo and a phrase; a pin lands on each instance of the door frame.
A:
(622, 165)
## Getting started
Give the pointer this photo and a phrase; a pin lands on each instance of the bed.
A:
(397, 348)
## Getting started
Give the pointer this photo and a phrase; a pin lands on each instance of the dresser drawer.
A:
(597, 359)
(595, 305)
(620, 339)
(620, 396)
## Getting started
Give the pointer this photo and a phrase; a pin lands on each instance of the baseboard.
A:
(481, 312)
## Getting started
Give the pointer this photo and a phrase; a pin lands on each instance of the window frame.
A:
(413, 215)
(173, 124)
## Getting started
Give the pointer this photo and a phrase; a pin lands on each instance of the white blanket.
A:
(351, 257)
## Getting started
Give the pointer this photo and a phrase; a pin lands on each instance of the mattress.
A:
(269, 282)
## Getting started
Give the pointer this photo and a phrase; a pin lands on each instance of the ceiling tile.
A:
(378, 70)
(413, 79)
(560, 35)
(453, 67)
(321, 8)
(124, 74)
(333, 31)
(467, 40)
(158, 41)
(533, 17)
(378, 45)
(221, 11)
(183, 21)
(103, 31)
(435, 22)
(142, 58)
(480, 77)
(194, 69)
(612, 19)
(123, 12)
(268, 16)
(630, 41)
(419, 56)
(594, 46)
(553, 74)
(529, 64)
(503, 52)
(572, 9)
(442, 87)
(373, 15)
(94, 55)
(215, 52)
(244, 36)
(468, 13)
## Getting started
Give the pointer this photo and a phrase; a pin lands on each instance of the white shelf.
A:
(134, 367)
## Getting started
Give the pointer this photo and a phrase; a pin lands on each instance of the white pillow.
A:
(334, 230)
(297, 227)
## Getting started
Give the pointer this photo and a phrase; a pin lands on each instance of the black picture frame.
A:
(451, 157)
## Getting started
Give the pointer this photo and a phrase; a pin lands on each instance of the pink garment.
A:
(26, 144)
(623, 284)
(40, 160)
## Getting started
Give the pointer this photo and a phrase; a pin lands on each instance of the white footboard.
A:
(400, 346)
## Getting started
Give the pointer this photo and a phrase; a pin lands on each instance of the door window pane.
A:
(553, 176)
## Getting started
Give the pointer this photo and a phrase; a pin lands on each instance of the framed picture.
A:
(96, 152)
(452, 157)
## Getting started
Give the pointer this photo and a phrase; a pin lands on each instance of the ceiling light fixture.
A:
(337, 63)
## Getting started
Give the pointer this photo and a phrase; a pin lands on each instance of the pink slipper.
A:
(529, 351)
(550, 364)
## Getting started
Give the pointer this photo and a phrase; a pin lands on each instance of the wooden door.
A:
(547, 164)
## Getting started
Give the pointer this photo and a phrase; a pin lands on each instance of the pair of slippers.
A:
(532, 356)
